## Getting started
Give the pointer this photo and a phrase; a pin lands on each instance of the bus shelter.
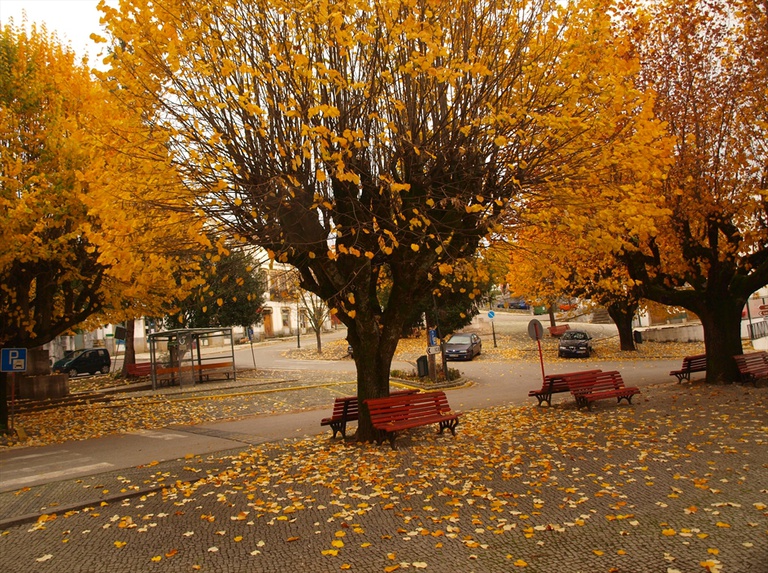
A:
(190, 356)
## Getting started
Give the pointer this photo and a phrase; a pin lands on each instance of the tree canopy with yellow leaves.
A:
(81, 181)
(350, 137)
(707, 63)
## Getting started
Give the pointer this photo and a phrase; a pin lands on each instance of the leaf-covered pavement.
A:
(676, 483)
(138, 411)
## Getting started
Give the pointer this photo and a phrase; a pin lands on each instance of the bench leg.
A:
(339, 427)
(544, 398)
(450, 424)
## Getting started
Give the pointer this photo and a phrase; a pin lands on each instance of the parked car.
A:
(463, 346)
(88, 361)
(514, 303)
(575, 343)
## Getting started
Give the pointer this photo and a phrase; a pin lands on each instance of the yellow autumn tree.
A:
(352, 138)
(82, 182)
(569, 237)
(707, 63)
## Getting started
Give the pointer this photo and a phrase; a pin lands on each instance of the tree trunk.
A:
(622, 313)
(722, 339)
(372, 382)
(319, 341)
(373, 349)
(130, 347)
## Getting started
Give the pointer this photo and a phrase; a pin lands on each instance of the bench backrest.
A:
(695, 362)
(345, 406)
(348, 406)
(559, 382)
(746, 362)
(407, 407)
(599, 381)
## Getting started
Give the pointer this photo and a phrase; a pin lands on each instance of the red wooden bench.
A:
(603, 385)
(200, 372)
(556, 383)
(695, 363)
(396, 413)
(752, 366)
(139, 369)
(347, 409)
(558, 330)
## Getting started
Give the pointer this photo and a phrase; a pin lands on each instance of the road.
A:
(493, 382)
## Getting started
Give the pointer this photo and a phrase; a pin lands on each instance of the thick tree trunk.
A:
(130, 347)
(373, 367)
(622, 314)
(722, 339)
(373, 348)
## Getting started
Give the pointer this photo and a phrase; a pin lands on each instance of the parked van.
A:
(88, 361)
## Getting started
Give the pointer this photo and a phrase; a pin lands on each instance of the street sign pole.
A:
(491, 315)
(536, 331)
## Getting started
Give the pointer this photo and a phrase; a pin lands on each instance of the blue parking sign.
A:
(13, 360)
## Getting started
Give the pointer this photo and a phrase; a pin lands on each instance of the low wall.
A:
(689, 332)
(42, 387)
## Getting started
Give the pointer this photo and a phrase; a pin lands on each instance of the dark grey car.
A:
(89, 361)
(575, 343)
(463, 346)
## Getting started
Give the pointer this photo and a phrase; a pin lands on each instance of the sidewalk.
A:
(674, 483)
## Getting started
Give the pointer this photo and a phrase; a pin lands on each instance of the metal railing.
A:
(757, 330)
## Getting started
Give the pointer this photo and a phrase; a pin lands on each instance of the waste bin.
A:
(422, 366)
(638, 337)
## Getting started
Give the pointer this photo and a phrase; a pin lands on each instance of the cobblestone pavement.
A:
(675, 483)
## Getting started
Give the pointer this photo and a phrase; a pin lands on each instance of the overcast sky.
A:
(72, 20)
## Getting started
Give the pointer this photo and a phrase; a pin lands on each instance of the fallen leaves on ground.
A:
(551, 489)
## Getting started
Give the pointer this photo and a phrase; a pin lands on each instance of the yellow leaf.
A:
(520, 563)
(120, 544)
(337, 543)
(331, 552)
(414, 248)
(156, 558)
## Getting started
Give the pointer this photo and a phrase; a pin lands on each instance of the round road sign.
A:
(535, 329)
(491, 314)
